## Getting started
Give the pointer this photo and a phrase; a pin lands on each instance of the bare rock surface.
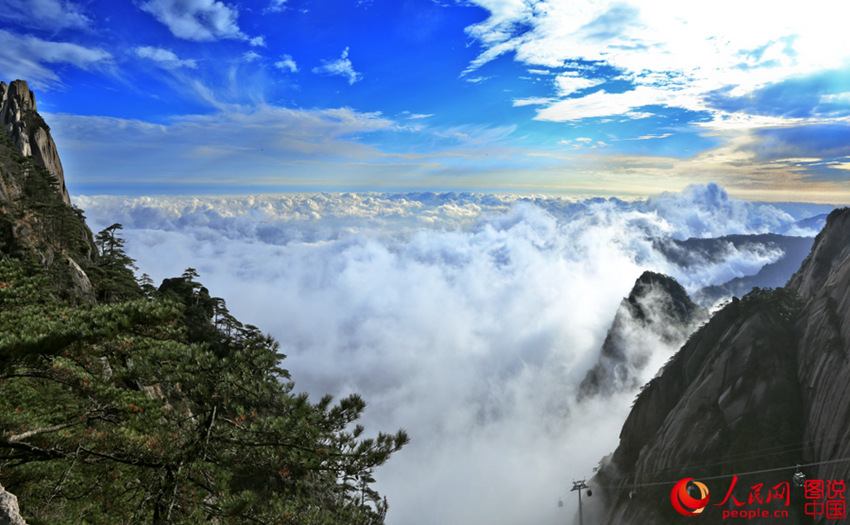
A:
(21, 121)
(9, 512)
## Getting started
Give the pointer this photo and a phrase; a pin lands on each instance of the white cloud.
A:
(276, 6)
(251, 56)
(533, 101)
(841, 98)
(340, 67)
(30, 58)
(604, 104)
(569, 83)
(287, 64)
(479, 135)
(45, 14)
(165, 57)
(258, 41)
(675, 53)
(200, 20)
(651, 137)
(469, 320)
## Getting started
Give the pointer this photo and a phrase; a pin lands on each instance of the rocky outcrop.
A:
(657, 314)
(37, 221)
(760, 388)
(28, 131)
(83, 288)
(9, 513)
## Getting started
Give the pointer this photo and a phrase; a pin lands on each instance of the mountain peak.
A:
(830, 255)
(28, 131)
(18, 92)
(657, 314)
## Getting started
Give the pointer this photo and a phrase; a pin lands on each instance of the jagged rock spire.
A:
(21, 121)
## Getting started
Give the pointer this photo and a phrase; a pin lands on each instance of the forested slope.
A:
(122, 402)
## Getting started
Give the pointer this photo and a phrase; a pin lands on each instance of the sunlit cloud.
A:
(199, 150)
(569, 83)
(533, 101)
(672, 54)
(331, 149)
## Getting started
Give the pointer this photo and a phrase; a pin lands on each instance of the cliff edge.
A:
(28, 131)
(758, 390)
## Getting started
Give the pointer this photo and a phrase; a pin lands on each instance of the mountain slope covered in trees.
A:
(121, 402)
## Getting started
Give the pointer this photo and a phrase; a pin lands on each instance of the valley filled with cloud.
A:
(467, 319)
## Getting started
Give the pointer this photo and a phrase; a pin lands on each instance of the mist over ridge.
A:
(467, 319)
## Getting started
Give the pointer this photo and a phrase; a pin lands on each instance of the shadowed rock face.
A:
(28, 131)
(657, 312)
(762, 386)
(823, 349)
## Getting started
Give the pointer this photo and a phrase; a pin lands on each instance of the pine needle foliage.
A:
(164, 409)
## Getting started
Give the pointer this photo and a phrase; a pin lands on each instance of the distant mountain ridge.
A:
(772, 275)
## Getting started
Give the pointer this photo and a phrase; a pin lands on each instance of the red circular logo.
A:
(683, 502)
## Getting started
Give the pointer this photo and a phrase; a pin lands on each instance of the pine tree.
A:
(113, 270)
(111, 413)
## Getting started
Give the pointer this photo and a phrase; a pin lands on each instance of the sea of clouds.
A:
(467, 319)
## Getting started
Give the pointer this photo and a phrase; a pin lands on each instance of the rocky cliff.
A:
(28, 131)
(657, 313)
(823, 349)
(36, 218)
(759, 389)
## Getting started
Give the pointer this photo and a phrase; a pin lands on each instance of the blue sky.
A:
(553, 96)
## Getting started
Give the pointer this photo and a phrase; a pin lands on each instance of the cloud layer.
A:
(467, 319)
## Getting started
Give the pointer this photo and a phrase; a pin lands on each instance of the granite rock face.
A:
(28, 131)
(36, 215)
(9, 513)
(823, 350)
(759, 389)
